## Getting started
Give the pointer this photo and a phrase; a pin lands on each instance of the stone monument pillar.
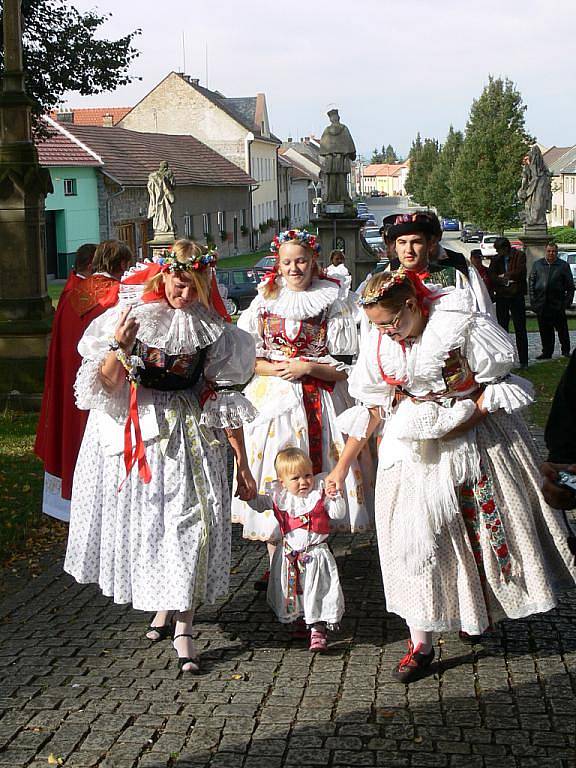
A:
(536, 195)
(338, 224)
(161, 187)
(25, 307)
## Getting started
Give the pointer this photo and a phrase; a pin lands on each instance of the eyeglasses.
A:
(393, 324)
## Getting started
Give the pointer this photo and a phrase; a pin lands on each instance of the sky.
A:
(392, 67)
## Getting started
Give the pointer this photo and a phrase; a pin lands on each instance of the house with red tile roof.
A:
(72, 209)
(103, 116)
(384, 178)
(212, 193)
(236, 127)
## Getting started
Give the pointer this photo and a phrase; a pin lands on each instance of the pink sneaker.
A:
(318, 640)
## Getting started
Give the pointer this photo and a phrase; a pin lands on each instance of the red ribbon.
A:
(136, 453)
(311, 387)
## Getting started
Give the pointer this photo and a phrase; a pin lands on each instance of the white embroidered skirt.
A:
(322, 598)
(449, 593)
(164, 545)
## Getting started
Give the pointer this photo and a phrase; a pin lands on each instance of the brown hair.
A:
(112, 256)
(289, 460)
(84, 256)
(271, 288)
(393, 294)
(185, 251)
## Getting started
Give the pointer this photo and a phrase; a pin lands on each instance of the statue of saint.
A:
(161, 185)
(337, 150)
(536, 189)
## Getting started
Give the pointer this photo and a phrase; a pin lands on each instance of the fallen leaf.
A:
(53, 760)
(237, 677)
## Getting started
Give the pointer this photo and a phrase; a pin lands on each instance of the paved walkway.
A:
(81, 686)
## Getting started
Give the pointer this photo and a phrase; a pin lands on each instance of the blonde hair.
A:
(271, 287)
(290, 460)
(185, 252)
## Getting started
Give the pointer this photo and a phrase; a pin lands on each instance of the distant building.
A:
(103, 116)
(299, 189)
(236, 128)
(561, 162)
(111, 199)
(384, 179)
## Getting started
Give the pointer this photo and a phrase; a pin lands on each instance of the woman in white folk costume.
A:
(464, 534)
(150, 521)
(301, 322)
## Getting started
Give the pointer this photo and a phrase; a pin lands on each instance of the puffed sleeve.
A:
(365, 384)
(335, 506)
(249, 321)
(491, 357)
(230, 362)
(94, 347)
(343, 326)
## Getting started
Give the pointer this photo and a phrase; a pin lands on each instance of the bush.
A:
(563, 234)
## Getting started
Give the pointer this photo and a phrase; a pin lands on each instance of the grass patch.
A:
(244, 260)
(545, 377)
(21, 479)
(55, 291)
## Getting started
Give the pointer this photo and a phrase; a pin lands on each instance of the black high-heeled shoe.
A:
(164, 632)
(182, 660)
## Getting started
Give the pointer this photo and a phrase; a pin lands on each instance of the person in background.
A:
(337, 269)
(476, 261)
(61, 424)
(508, 276)
(551, 290)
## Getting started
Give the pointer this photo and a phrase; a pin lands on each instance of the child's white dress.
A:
(304, 581)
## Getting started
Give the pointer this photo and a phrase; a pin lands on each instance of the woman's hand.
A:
(293, 369)
(334, 482)
(479, 415)
(126, 330)
(245, 484)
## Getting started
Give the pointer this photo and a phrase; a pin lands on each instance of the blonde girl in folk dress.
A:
(464, 534)
(304, 587)
(300, 322)
(150, 521)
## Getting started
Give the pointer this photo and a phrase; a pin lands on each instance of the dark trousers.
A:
(515, 307)
(548, 322)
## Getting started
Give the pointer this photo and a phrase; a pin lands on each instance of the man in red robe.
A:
(61, 425)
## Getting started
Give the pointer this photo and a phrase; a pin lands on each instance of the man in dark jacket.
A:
(551, 290)
(508, 277)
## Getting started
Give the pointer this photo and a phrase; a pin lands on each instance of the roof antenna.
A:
(183, 53)
(206, 63)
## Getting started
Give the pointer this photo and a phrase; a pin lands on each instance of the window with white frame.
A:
(206, 224)
(70, 187)
(188, 225)
(221, 221)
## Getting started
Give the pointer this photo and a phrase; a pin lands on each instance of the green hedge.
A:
(563, 234)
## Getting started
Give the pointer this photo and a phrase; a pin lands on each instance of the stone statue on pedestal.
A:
(337, 151)
(536, 189)
(161, 184)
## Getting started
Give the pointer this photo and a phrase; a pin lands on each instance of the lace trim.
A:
(90, 393)
(229, 410)
(295, 506)
(299, 305)
(177, 331)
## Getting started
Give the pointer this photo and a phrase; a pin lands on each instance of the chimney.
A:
(194, 81)
(306, 139)
(107, 120)
(289, 139)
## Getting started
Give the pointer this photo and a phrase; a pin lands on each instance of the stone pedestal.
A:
(162, 241)
(344, 234)
(535, 240)
(25, 307)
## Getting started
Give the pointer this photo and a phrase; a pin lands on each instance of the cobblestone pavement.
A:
(82, 687)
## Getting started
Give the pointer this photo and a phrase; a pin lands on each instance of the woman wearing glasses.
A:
(464, 534)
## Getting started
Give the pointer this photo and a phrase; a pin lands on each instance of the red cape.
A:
(61, 425)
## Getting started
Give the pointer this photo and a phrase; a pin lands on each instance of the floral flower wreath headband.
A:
(300, 236)
(423, 294)
(168, 262)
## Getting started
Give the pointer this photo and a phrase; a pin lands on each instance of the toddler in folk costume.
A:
(304, 582)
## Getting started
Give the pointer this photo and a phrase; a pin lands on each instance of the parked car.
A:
(471, 233)
(266, 262)
(374, 193)
(487, 245)
(371, 220)
(450, 225)
(570, 258)
(372, 236)
(241, 285)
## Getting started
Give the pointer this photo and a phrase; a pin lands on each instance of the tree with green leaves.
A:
(423, 159)
(63, 52)
(390, 155)
(377, 157)
(439, 190)
(487, 172)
